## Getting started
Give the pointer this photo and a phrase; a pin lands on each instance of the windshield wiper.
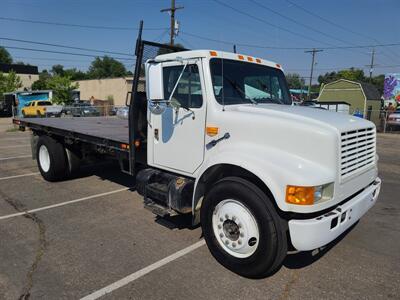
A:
(265, 87)
(243, 95)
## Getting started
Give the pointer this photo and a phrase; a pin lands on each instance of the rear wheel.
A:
(242, 229)
(51, 159)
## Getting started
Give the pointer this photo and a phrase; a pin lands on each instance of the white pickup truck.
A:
(215, 135)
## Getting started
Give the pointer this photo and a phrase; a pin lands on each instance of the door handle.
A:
(156, 136)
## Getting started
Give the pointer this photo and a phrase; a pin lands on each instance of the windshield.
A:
(245, 82)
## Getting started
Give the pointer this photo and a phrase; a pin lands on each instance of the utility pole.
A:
(234, 48)
(172, 10)
(313, 51)
(371, 67)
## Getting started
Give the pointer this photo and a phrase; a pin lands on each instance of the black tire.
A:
(272, 246)
(58, 166)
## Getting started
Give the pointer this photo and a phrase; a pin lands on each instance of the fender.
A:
(274, 167)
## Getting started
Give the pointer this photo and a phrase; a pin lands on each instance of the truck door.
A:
(178, 133)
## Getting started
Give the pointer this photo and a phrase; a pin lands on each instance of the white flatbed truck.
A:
(214, 134)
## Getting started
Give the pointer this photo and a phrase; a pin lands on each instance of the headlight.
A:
(309, 195)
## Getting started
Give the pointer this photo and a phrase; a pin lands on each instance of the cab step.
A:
(158, 209)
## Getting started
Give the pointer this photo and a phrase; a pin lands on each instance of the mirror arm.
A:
(177, 82)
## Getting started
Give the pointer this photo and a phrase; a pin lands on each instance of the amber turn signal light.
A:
(212, 131)
(300, 195)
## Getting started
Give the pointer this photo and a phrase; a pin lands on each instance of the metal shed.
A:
(362, 97)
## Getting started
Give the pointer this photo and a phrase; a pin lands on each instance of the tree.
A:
(41, 84)
(5, 56)
(378, 82)
(62, 89)
(352, 74)
(106, 67)
(58, 70)
(349, 74)
(9, 83)
(75, 74)
(295, 81)
(328, 77)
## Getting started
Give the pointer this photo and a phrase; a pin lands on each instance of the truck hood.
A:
(320, 117)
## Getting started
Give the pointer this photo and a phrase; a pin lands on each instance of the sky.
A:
(253, 25)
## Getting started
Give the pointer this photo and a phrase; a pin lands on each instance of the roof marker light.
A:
(258, 60)
(249, 58)
(213, 53)
(241, 57)
(278, 66)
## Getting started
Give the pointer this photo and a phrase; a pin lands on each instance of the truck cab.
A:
(260, 169)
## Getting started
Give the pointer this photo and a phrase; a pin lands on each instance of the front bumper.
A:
(314, 233)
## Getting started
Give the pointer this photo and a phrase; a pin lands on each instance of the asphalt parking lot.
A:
(91, 234)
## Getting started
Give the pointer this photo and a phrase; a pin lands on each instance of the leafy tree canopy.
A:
(295, 81)
(106, 67)
(41, 84)
(62, 87)
(9, 83)
(5, 56)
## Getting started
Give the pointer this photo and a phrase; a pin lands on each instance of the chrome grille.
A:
(357, 151)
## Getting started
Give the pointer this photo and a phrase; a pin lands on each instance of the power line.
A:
(64, 46)
(299, 23)
(172, 11)
(313, 51)
(286, 48)
(49, 59)
(186, 42)
(76, 25)
(61, 52)
(343, 68)
(265, 22)
(371, 65)
(334, 24)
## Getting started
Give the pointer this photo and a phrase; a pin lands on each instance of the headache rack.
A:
(144, 51)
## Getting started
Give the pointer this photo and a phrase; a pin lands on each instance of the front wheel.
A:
(242, 229)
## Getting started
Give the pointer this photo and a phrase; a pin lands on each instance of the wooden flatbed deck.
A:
(104, 128)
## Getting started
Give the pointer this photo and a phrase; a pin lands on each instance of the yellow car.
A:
(41, 108)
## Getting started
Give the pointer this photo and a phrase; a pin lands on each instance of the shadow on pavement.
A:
(303, 259)
(107, 171)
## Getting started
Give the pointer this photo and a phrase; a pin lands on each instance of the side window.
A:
(188, 92)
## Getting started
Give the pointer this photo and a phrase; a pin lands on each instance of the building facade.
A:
(363, 98)
(28, 74)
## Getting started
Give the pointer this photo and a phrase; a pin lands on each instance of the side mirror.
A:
(154, 81)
